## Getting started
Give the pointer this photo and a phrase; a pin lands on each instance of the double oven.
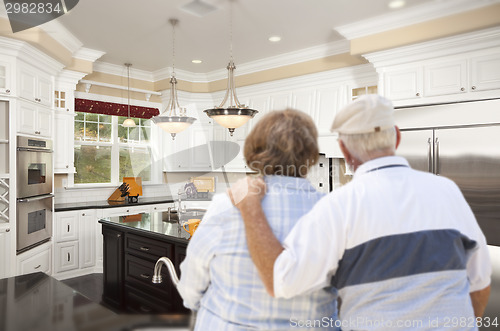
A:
(34, 192)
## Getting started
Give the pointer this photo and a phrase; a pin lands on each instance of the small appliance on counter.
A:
(131, 188)
(199, 187)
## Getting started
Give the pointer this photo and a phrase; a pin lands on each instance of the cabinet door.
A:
(63, 143)
(113, 266)
(445, 78)
(403, 84)
(327, 104)
(44, 93)
(66, 226)
(199, 156)
(66, 256)
(87, 246)
(44, 122)
(26, 118)
(27, 83)
(5, 254)
(5, 78)
(485, 72)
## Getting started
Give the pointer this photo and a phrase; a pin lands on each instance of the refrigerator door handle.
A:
(429, 155)
(436, 159)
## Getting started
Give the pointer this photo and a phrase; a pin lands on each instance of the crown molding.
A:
(303, 55)
(409, 16)
(192, 77)
(121, 70)
(88, 54)
(62, 35)
(69, 78)
(29, 54)
(468, 42)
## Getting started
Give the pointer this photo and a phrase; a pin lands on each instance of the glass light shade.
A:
(231, 118)
(173, 124)
(128, 123)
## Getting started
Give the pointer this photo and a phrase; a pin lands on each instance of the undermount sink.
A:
(173, 215)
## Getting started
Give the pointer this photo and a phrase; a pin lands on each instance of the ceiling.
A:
(138, 31)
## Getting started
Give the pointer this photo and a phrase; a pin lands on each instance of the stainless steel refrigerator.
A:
(460, 141)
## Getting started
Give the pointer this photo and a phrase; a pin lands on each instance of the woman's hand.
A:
(247, 192)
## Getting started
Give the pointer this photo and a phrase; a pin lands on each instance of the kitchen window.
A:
(105, 151)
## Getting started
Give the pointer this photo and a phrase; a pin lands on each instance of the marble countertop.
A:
(39, 302)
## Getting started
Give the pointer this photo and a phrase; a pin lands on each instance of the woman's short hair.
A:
(282, 143)
(366, 146)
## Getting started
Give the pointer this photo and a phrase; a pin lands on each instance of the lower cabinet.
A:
(35, 260)
(129, 260)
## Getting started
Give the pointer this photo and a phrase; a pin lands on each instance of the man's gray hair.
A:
(367, 146)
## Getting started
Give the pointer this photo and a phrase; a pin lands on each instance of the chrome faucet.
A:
(171, 270)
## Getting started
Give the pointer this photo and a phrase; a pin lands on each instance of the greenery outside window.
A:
(105, 151)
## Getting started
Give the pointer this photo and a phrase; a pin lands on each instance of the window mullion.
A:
(115, 152)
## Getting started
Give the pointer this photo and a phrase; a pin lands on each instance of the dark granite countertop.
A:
(105, 204)
(38, 302)
(154, 223)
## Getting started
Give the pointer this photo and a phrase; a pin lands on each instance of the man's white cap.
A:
(368, 113)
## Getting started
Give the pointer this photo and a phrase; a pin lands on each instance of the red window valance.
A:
(117, 109)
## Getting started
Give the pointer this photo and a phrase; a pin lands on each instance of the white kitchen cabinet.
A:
(6, 78)
(63, 142)
(75, 241)
(35, 85)
(404, 83)
(34, 120)
(38, 259)
(449, 77)
(66, 256)
(189, 151)
(485, 72)
(5, 240)
(328, 101)
(123, 211)
(87, 238)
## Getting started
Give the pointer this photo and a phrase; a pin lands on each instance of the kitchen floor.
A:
(90, 286)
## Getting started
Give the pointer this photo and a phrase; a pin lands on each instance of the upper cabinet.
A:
(5, 78)
(35, 85)
(34, 120)
(458, 68)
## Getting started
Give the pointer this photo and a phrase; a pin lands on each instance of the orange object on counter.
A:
(192, 226)
(135, 184)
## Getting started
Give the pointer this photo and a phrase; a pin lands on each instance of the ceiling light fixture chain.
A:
(128, 123)
(236, 114)
(169, 121)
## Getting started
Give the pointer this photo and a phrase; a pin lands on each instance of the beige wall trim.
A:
(117, 93)
(120, 80)
(294, 70)
(473, 20)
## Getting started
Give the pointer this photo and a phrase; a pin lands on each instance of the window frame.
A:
(115, 145)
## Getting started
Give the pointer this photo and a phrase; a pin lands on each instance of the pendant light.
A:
(169, 121)
(128, 123)
(235, 114)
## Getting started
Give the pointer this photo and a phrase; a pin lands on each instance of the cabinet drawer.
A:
(139, 302)
(149, 248)
(39, 261)
(66, 256)
(140, 272)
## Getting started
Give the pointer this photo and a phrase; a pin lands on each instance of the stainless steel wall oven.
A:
(34, 192)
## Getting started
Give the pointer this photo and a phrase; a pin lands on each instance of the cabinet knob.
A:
(145, 276)
(144, 249)
(418, 94)
(462, 89)
(7, 91)
(83, 214)
(38, 266)
(7, 230)
(473, 87)
(118, 235)
(128, 210)
(67, 166)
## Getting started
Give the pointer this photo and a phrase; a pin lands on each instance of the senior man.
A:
(402, 246)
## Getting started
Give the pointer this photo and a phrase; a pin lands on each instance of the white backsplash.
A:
(174, 181)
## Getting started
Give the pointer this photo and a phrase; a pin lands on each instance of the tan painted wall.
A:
(439, 28)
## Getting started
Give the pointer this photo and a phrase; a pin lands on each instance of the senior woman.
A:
(218, 278)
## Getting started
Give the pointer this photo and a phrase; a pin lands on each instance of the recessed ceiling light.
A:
(196, 61)
(274, 39)
(394, 4)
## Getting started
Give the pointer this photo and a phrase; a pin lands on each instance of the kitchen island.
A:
(132, 245)
(38, 302)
